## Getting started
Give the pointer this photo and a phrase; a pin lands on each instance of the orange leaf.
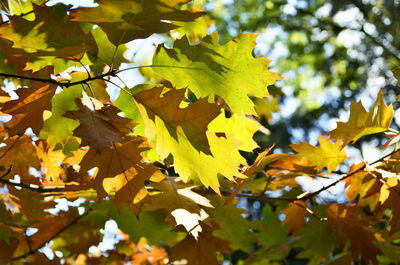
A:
(295, 215)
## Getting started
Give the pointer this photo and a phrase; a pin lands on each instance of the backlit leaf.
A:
(121, 169)
(229, 71)
(328, 154)
(124, 21)
(362, 123)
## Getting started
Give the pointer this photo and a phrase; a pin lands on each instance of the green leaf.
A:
(107, 56)
(233, 227)
(362, 123)
(124, 21)
(195, 30)
(315, 241)
(57, 128)
(181, 133)
(229, 71)
(273, 233)
(239, 127)
(150, 225)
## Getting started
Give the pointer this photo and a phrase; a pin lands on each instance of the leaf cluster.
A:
(82, 145)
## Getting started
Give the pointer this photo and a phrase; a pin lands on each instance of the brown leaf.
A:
(48, 228)
(27, 110)
(7, 250)
(100, 125)
(20, 153)
(349, 224)
(201, 251)
(122, 169)
(31, 204)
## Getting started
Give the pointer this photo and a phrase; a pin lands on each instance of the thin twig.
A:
(120, 87)
(311, 212)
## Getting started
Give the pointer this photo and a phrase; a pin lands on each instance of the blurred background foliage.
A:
(329, 52)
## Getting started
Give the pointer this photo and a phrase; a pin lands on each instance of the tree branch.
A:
(65, 84)
(73, 222)
(307, 195)
(32, 187)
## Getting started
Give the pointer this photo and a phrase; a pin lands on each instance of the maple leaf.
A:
(362, 123)
(20, 153)
(100, 125)
(295, 166)
(272, 232)
(362, 186)
(193, 119)
(50, 159)
(315, 241)
(237, 126)
(390, 197)
(172, 194)
(229, 71)
(57, 128)
(351, 226)
(47, 35)
(200, 251)
(328, 154)
(27, 110)
(48, 227)
(31, 204)
(195, 30)
(148, 224)
(121, 169)
(188, 161)
(232, 226)
(124, 21)
(108, 54)
(295, 216)
(146, 254)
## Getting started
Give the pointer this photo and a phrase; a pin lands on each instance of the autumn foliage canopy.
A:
(166, 158)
